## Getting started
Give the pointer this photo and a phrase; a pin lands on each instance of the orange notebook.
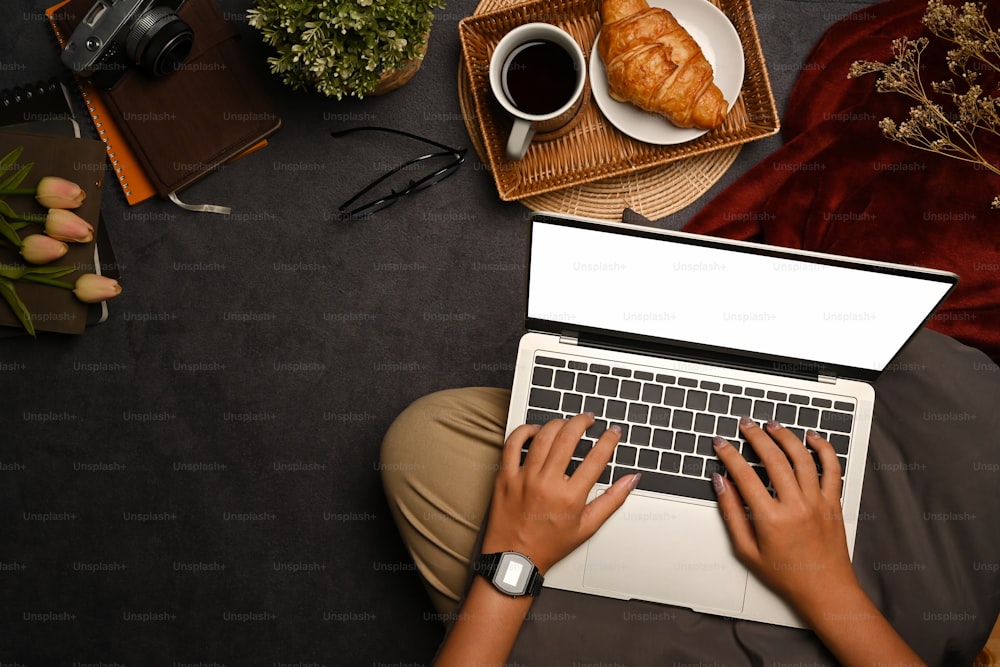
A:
(164, 134)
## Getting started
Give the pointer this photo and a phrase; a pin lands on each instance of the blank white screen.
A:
(724, 298)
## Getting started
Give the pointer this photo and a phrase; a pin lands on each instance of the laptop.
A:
(674, 337)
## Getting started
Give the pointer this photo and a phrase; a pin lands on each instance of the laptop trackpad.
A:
(669, 552)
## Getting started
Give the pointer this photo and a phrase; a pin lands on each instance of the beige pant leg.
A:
(438, 462)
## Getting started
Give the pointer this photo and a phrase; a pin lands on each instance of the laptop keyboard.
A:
(668, 421)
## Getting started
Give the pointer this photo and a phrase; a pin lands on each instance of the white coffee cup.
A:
(538, 75)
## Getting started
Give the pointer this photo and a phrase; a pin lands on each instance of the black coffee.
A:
(539, 77)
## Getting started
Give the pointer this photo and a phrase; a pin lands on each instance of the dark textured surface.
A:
(164, 473)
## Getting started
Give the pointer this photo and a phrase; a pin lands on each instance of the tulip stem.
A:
(17, 191)
(46, 281)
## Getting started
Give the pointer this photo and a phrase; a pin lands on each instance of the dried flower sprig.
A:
(973, 119)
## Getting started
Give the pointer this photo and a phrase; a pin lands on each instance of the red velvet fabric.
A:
(837, 185)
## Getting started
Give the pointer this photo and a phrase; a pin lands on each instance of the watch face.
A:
(512, 574)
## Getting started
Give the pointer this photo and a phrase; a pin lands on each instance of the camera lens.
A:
(159, 41)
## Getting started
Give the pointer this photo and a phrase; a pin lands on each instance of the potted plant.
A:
(341, 47)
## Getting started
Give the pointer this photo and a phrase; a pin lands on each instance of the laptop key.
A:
(544, 398)
(727, 427)
(718, 403)
(840, 442)
(784, 413)
(696, 400)
(670, 462)
(564, 380)
(662, 439)
(549, 361)
(763, 410)
(541, 376)
(682, 419)
(649, 459)
(630, 390)
(836, 421)
(705, 446)
(740, 407)
(597, 429)
(586, 383)
(615, 409)
(540, 417)
(572, 403)
(640, 435)
(684, 442)
(674, 396)
(799, 399)
(687, 487)
(693, 466)
(808, 417)
(704, 423)
(605, 477)
(659, 416)
(638, 413)
(652, 393)
(594, 405)
(843, 406)
(625, 455)
(607, 386)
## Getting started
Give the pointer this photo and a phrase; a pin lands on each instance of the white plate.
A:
(721, 45)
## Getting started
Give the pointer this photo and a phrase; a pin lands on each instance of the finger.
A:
(803, 464)
(564, 444)
(779, 470)
(510, 456)
(831, 482)
(746, 480)
(540, 444)
(603, 506)
(738, 526)
(596, 460)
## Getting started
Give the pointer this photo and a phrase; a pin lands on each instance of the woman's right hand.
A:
(795, 541)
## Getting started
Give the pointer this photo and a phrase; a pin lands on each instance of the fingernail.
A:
(720, 486)
(635, 481)
(746, 421)
(811, 433)
(590, 414)
(773, 424)
(719, 442)
(616, 428)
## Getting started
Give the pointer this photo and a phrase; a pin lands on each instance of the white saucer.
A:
(721, 45)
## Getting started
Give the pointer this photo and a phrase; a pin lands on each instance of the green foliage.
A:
(341, 48)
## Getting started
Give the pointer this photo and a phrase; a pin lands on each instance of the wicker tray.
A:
(594, 150)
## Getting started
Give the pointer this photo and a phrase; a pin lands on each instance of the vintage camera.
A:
(115, 34)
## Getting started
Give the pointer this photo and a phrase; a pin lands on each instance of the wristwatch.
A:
(510, 572)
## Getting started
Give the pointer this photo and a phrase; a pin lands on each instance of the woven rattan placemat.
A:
(653, 192)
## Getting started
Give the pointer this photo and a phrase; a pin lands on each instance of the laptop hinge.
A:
(827, 379)
(569, 338)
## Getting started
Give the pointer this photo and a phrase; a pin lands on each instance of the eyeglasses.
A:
(362, 210)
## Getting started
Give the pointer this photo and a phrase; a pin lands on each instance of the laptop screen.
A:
(761, 301)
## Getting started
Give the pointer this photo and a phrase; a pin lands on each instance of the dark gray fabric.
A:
(927, 547)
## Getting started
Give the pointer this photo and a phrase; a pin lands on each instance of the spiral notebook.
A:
(163, 135)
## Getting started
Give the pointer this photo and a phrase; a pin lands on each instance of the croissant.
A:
(652, 62)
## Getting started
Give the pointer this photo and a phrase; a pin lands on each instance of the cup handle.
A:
(520, 138)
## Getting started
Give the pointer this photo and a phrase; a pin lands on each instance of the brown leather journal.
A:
(183, 126)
